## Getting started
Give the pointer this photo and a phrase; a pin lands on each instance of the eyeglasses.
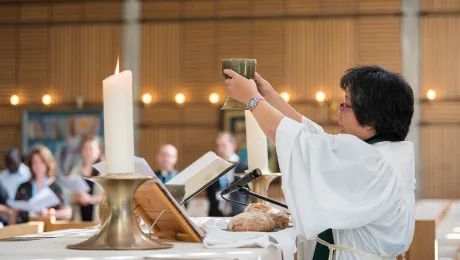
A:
(343, 105)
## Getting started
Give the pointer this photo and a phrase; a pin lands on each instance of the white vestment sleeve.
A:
(312, 127)
(331, 181)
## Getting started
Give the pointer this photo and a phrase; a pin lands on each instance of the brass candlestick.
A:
(260, 185)
(120, 231)
(244, 67)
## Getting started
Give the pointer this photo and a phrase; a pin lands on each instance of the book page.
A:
(45, 198)
(21, 205)
(200, 173)
(205, 175)
(75, 183)
(140, 166)
(193, 168)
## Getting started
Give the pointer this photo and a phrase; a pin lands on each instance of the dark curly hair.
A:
(380, 98)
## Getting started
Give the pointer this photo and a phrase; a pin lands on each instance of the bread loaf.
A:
(258, 207)
(251, 221)
(281, 219)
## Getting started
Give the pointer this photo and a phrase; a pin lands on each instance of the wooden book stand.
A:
(161, 212)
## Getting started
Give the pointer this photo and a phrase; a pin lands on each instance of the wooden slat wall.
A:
(316, 54)
(439, 5)
(301, 56)
(66, 57)
(440, 162)
(440, 55)
(161, 68)
(63, 49)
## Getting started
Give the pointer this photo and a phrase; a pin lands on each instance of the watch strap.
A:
(256, 99)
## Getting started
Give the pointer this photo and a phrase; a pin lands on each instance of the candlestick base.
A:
(260, 185)
(120, 231)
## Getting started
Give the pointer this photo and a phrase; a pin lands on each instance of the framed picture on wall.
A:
(60, 131)
(234, 123)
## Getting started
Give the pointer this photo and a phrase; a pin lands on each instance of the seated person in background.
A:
(85, 204)
(15, 173)
(225, 148)
(7, 215)
(166, 159)
(43, 169)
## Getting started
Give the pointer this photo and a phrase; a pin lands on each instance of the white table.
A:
(52, 245)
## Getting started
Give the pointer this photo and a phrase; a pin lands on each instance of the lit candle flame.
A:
(117, 69)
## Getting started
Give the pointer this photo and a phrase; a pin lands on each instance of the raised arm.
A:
(275, 99)
(268, 113)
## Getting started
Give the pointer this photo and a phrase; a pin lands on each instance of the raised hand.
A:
(263, 86)
(240, 88)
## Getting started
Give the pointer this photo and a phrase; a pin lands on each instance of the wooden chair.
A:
(60, 225)
(423, 245)
(429, 214)
(22, 229)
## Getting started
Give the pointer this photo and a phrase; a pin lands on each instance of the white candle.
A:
(118, 123)
(256, 142)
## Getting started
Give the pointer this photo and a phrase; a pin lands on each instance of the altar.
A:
(52, 245)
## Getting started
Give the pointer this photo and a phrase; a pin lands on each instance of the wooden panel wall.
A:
(183, 42)
(61, 49)
(440, 39)
(302, 46)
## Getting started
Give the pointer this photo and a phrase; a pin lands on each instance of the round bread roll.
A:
(258, 207)
(251, 221)
(281, 219)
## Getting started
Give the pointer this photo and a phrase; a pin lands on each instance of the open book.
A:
(45, 198)
(198, 176)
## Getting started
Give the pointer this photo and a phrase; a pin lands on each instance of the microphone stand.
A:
(246, 191)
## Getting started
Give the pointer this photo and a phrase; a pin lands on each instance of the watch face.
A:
(252, 103)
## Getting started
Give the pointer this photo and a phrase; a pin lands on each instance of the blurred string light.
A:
(431, 94)
(46, 99)
(147, 98)
(214, 98)
(285, 96)
(14, 100)
(320, 96)
(180, 98)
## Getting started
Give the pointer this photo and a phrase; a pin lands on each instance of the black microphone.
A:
(247, 178)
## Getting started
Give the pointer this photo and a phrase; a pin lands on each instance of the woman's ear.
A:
(368, 127)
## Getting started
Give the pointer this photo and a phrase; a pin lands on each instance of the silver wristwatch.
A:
(253, 102)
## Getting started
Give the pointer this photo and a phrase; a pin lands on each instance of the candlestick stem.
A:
(120, 231)
(260, 185)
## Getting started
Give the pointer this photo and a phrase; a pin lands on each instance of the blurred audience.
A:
(43, 169)
(7, 214)
(225, 148)
(16, 172)
(166, 159)
(85, 204)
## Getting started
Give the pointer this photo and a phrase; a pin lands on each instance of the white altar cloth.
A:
(52, 245)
